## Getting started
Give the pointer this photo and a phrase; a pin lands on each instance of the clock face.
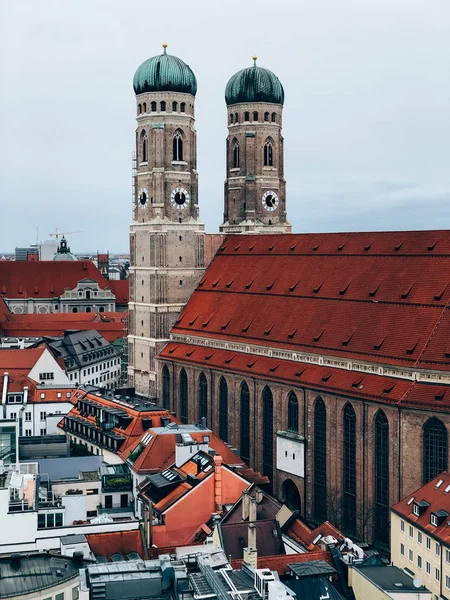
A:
(143, 197)
(270, 200)
(179, 197)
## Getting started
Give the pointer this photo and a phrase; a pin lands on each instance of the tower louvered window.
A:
(202, 397)
(293, 412)
(184, 399)
(267, 441)
(435, 449)
(166, 387)
(245, 423)
(144, 147)
(177, 146)
(236, 157)
(320, 461)
(223, 410)
(349, 470)
(381, 532)
(268, 154)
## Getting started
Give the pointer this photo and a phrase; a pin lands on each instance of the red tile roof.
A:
(119, 542)
(45, 279)
(438, 496)
(380, 297)
(20, 359)
(305, 536)
(121, 290)
(280, 563)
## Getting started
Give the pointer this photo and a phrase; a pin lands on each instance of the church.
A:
(323, 358)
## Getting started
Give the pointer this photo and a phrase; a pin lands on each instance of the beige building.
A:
(385, 583)
(420, 535)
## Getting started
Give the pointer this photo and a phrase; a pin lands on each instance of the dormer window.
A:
(434, 520)
(438, 517)
(416, 510)
(420, 507)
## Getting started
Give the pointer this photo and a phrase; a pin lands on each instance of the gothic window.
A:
(266, 116)
(435, 449)
(231, 118)
(246, 116)
(349, 470)
(320, 460)
(166, 387)
(183, 107)
(144, 107)
(236, 117)
(255, 116)
(139, 109)
(162, 106)
(267, 437)
(381, 465)
(153, 106)
(274, 117)
(245, 423)
(184, 416)
(293, 413)
(223, 410)
(174, 106)
(144, 146)
(177, 146)
(236, 157)
(202, 397)
(268, 154)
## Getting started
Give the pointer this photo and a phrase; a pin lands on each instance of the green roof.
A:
(254, 84)
(164, 73)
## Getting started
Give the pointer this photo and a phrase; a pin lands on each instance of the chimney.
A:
(5, 390)
(25, 395)
(251, 557)
(251, 535)
(218, 482)
(259, 495)
(252, 510)
(245, 505)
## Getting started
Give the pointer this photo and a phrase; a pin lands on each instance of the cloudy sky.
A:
(366, 117)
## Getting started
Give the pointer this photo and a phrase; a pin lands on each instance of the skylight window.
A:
(439, 483)
(447, 489)
(410, 501)
(147, 439)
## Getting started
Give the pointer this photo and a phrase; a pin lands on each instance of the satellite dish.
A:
(416, 582)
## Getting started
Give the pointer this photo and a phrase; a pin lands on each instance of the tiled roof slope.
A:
(377, 297)
(121, 290)
(45, 279)
(20, 359)
(118, 542)
(438, 496)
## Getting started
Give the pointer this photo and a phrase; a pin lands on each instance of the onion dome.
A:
(254, 84)
(63, 252)
(164, 73)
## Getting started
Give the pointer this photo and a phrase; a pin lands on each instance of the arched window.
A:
(266, 116)
(174, 106)
(246, 116)
(267, 437)
(245, 423)
(231, 118)
(74, 309)
(223, 410)
(268, 154)
(274, 117)
(166, 387)
(293, 412)
(183, 107)
(349, 470)
(88, 309)
(177, 146)
(144, 146)
(184, 400)
(153, 106)
(139, 109)
(236, 157)
(381, 468)
(202, 397)
(101, 309)
(435, 449)
(236, 117)
(162, 106)
(255, 116)
(320, 461)
(144, 107)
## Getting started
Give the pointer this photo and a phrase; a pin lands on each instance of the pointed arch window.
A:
(223, 410)
(166, 387)
(153, 106)
(177, 153)
(236, 154)
(267, 437)
(268, 154)
(255, 116)
(174, 106)
(274, 117)
(231, 118)
(139, 109)
(320, 460)
(246, 116)
(202, 397)
(183, 107)
(144, 146)
(163, 106)
(266, 116)
(184, 398)
(293, 412)
(236, 117)
(349, 470)
(381, 458)
(435, 449)
(245, 423)
(144, 107)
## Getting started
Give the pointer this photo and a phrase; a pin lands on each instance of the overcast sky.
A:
(366, 117)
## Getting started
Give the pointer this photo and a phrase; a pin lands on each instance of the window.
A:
(428, 543)
(245, 423)
(267, 437)
(183, 107)
(419, 561)
(274, 117)
(144, 146)
(43, 414)
(320, 460)
(202, 398)
(435, 449)
(46, 375)
(42, 395)
(402, 549)
(437, 574)
(266, 116)
(183, 397)
(41, 521)
(223, 410)
(144, 107)
(59, 596)
(174, 106)
(153, 106)
(419, 537)
(108, 501)
(13, 415)
(166, 387)
(293, 413)
(14, 398)
(27, 416)
(75, 593)
(43, 432)
(410, 555)
(58, 519)
(236, 157)
(163, 106)
(438, 549)
(231, 118)
(416, 510)
(349, 469)
(92, 492)
(50, 520)
(434, 520)
(27, 432)
(402, 525)
(268, 154)
(139, 109)
(236, 117)
(447, 556)
(428, 568)
(177, 151)
(255, 116)
(411, 531)
(246, 116)
(447, 582)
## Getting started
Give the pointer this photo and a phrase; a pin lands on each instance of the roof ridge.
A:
(433, 332)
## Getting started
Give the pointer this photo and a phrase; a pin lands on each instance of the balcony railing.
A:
(116, 510)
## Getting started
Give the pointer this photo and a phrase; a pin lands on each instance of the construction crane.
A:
(58, 234)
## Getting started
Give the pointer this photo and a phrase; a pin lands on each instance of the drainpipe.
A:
(254, 426)
(5, 390)
(364, 486)
(22, 410)
(305, 421)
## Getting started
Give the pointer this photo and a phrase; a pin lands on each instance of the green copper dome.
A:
(164, 73)
(254, 84)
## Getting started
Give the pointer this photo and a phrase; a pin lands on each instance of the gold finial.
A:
(254, 60)
(164, 46)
